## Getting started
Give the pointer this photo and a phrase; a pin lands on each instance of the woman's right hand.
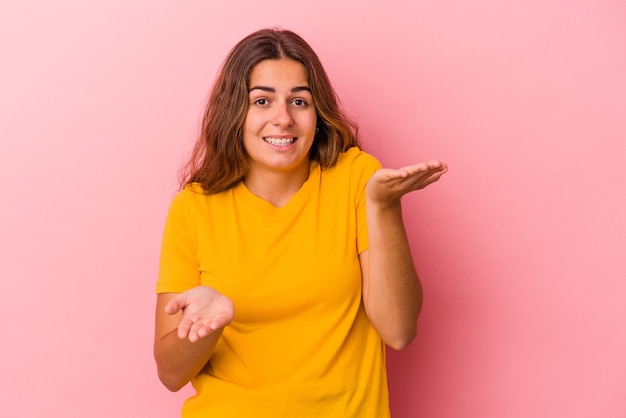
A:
(204, 310)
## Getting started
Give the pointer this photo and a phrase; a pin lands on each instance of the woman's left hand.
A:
(387, 186)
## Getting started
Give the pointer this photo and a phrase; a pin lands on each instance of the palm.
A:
(204, 311)
(387, 186)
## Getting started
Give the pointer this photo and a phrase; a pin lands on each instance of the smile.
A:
(281, 142)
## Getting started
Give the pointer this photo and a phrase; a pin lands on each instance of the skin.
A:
(281, 106)
(392, 294)
(189, 324)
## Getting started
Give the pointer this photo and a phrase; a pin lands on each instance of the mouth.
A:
(280, 141)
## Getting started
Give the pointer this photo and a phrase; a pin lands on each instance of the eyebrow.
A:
(273, 90)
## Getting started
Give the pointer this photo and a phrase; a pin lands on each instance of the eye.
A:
(261, 102)
(300, 103)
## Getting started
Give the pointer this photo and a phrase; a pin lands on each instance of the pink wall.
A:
(521, 247)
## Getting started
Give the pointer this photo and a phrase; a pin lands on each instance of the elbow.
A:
(171, 382)
(396, 332)
(168, 371)
(169, 374)
(402, 340)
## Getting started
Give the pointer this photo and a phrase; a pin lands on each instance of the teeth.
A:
(279, 141)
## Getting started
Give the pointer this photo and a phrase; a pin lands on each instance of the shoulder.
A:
(190, 197)
(350, 174)
(356, 161)
(358, 156)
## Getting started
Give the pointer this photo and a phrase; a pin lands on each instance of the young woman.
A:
(285, 267)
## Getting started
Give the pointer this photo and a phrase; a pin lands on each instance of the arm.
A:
(188, 326)
(392, 294)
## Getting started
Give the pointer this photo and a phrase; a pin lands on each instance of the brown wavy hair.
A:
(218, 160)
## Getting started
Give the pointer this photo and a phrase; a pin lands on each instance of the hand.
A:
(387, 186)
(204, 311)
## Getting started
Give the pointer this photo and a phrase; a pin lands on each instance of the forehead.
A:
(279, 72)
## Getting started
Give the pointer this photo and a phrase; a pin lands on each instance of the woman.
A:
(277, 290)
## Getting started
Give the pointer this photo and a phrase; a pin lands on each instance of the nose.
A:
(282, 116)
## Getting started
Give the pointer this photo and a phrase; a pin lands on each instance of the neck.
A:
(276, 187)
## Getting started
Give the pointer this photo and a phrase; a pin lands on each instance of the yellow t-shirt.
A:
(301, 344)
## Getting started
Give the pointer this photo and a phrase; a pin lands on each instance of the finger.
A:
(431, 179)
(415, 168)
(433, 165)
(219, 322)
(193, 336)
(389, 174)
(200, 329)
(184, 327)
(206, 329)
(423, 178)
(417, 180)
(173, 306)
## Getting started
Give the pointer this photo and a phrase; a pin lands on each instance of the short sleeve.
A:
(363, 168)
(178, 265)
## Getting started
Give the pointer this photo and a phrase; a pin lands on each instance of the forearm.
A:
(393, 294)
(179, 360)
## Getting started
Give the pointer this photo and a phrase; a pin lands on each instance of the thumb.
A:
(174, 305)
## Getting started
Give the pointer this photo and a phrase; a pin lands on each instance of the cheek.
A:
(251, 124)
(249, 132)
(248, 123)
(309, 123)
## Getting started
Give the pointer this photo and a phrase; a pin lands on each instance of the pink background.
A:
(520, 247)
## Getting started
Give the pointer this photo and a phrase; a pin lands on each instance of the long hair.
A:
(218, 160)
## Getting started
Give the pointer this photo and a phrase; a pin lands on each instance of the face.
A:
(279, 127)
